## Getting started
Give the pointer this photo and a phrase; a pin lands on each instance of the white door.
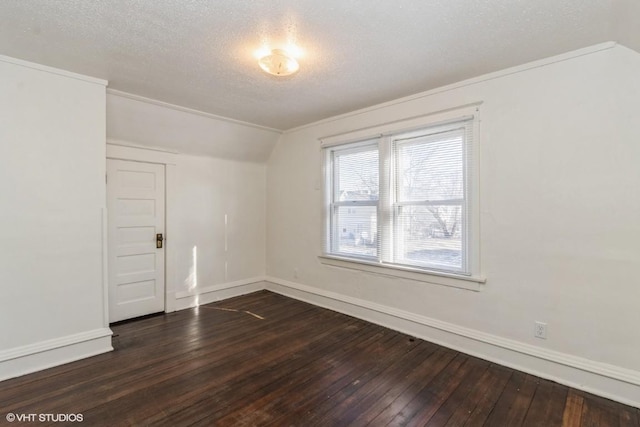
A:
(135, 201)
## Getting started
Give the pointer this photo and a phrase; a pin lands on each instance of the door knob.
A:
(159, 240)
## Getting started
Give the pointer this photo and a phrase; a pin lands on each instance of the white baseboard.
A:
(215, 293)
(46, 354)
(609, 381)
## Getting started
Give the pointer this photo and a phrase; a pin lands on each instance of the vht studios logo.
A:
(51, 418)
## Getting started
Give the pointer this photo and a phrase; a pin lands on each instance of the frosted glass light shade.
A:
(278, 63)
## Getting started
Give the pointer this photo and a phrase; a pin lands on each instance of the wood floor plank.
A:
(345, 404)
(572, 415)
(265, 359)
(347, 412)
(522, 402)
(547, 405)
(345, 379)
(429, 400)
(216, 368)
(121, 381)
(506, 400)
(254, 387)
(334, 368)
(181, 340)
(425, 374)
(480, 404)
(598, 412)
(629, 417)
(454, 400)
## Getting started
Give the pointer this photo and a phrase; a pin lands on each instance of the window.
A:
(354, 202)
(405, 199)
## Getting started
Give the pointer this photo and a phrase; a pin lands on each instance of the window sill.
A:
(471, 283)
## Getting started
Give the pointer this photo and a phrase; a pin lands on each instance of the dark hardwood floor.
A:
(264, 359)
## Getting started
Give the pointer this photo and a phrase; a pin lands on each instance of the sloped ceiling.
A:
(200, 53)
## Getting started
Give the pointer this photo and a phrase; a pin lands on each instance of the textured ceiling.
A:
(199, 53)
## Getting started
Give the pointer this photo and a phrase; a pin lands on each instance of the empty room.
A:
(320, 213)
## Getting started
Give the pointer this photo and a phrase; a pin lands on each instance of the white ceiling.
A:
(199, 53)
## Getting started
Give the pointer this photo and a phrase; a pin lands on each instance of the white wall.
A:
(230, 254)
(626, 15)
(52, 163)
(229, 258)
(560, 168)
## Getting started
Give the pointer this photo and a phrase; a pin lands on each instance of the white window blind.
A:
(430, 198)
(405, 198)
(354, 200)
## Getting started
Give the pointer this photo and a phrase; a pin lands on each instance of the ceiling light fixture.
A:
(278, 63)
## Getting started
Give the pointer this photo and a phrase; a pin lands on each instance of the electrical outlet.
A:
(540, 330)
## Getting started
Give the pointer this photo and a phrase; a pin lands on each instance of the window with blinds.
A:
(404, 198)
(354, 204)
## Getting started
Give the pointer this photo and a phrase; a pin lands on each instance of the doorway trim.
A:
(124, 150)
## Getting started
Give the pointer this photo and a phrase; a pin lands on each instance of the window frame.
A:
(385, 137)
